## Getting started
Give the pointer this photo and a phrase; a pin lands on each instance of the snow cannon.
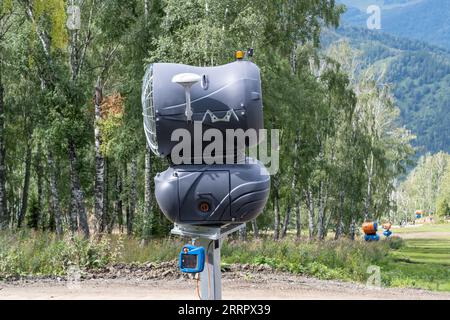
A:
(202, 120)
(420, 214)
(370, 230)
(387, 229)
(177, 97)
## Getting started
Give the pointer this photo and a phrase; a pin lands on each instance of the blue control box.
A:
(192, 259)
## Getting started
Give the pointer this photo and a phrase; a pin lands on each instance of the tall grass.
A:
(27, 253)
(344, 259)
(156, 250)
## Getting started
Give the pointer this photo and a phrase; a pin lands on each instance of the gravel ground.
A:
(165, 282)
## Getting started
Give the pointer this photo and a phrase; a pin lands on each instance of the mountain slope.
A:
(426, 20)
(420, 76)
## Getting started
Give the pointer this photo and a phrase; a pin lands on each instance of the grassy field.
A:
(423, 261)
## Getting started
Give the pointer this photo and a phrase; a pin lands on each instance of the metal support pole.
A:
(211, 277)
(210, 238)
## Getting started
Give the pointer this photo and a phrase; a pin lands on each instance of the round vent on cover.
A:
(149, 110)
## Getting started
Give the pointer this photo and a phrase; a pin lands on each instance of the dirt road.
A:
(253, 286)
(425, 235)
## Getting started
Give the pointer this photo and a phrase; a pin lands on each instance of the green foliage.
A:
(345, 260)
(331, 131)
(25, 253)
(55, 11)
(155, 250)
(207, 32)
(426, 187)
(443, 199)
(395, 243)
(443, 208)
(6, 6)
(33, 213)
(368, 149)
(112, 110)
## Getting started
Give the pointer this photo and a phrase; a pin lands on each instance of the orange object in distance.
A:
(387, 226)
(370, 228)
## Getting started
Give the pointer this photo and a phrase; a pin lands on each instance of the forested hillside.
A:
(419, 75)
(425, 20)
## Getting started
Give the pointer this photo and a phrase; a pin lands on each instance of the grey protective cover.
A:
(234, 193)
(233, 89)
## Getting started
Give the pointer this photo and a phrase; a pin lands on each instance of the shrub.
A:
(395, 243)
